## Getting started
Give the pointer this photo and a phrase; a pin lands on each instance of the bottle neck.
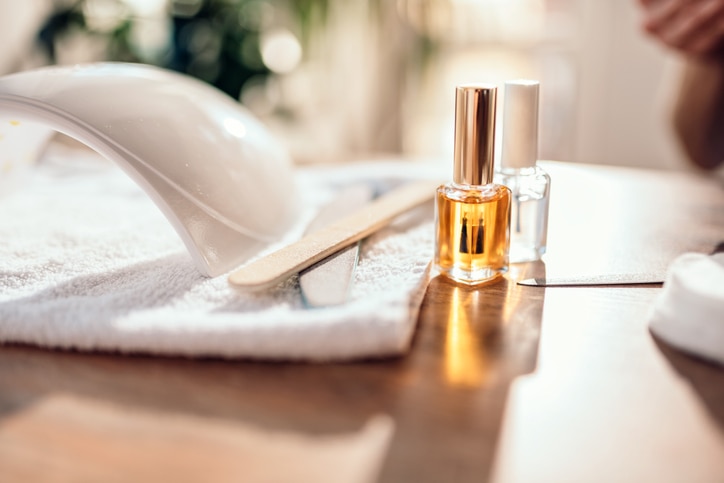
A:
(522, 171)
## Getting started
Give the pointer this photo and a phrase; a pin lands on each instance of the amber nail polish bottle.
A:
(472, 214)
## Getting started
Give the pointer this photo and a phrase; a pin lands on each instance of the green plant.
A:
(217, 41)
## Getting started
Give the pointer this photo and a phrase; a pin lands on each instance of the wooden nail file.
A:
(274, 268)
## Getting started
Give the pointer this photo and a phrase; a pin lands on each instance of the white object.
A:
(215, 172)
(86, 262)
(689, 313)
(518, 170)
(520, 124)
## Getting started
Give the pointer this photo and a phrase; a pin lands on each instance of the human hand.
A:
(695, 27)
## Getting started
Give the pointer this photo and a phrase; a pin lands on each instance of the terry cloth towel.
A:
(689, 313)
(88, 262)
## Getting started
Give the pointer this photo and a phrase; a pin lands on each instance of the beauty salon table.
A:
(502, 383)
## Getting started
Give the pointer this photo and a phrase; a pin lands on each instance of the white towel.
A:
(689, 313)
(88, 262)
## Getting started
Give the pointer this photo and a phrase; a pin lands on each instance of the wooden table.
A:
(505, 383)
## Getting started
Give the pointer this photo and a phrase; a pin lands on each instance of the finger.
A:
(697, 29)
(648, 4)
(709, 41)
(660, 15)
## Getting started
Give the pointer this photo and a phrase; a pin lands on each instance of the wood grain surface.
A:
(503, 382)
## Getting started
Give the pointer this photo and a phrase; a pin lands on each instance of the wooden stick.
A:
(274, 268)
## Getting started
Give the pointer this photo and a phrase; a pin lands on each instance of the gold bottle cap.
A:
(474, 134)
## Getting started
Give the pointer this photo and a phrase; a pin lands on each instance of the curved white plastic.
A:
(217, 174)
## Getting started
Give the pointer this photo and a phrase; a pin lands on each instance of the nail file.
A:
(328, 282)
(649, 278)
(274, 268)
(614, 279)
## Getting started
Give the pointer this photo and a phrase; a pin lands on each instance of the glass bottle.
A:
(472, 214)
(529, 184)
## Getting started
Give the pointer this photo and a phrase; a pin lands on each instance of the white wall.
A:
(605, 88)
(625, 83)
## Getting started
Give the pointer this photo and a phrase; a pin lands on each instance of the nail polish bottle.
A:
(472, 214)
(529, 184)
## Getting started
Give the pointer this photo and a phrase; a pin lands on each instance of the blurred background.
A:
(340, 80)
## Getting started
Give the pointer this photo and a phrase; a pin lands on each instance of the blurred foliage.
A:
(217, 41)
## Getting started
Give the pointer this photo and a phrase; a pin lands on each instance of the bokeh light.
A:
(280, 50)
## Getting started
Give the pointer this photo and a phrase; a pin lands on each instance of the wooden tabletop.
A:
(502, 383)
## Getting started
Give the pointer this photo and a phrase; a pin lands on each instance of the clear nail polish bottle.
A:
(472, 214)
(529, 184)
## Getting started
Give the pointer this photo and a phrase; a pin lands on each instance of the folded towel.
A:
(689, 313)
(88, 262)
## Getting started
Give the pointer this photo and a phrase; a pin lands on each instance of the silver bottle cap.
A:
(520, 124)
(474, 134)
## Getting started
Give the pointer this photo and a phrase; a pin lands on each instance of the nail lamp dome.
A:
(215, 172)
